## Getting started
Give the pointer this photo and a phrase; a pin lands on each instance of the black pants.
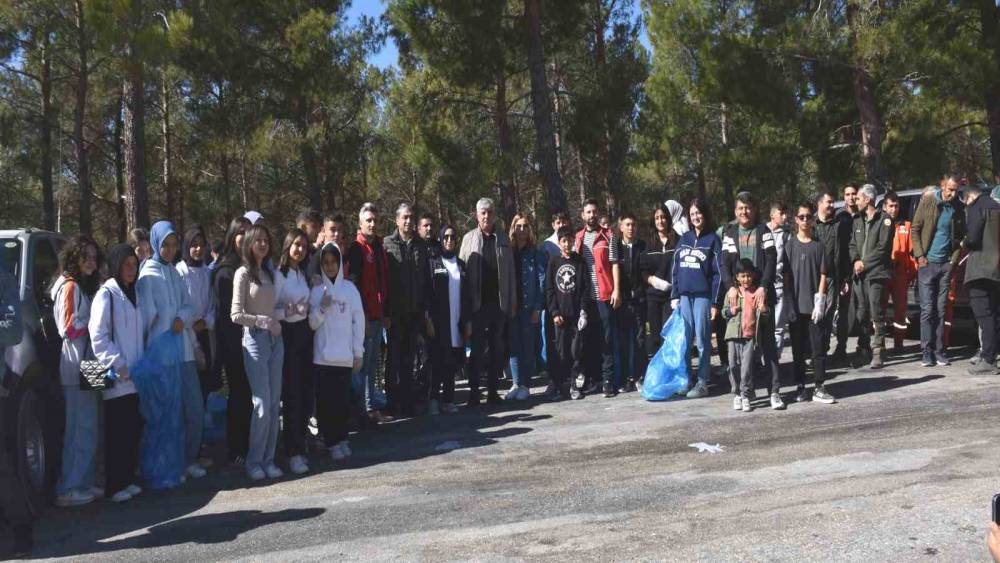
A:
(298, 387)
(333, 402)
(564, 359)
(489, 334)
(403, 331)
(239, 404)
(719, 327)
(122, 431)
(843, 319)
(657, 313)
(808, 338)
(446, 361)
(984, 299)
(631, 341)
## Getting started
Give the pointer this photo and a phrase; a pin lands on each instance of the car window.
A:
(44, 268)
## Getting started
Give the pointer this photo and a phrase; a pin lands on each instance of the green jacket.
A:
(871, 242)
(925, 224)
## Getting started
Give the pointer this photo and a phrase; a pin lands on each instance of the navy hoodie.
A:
(697, 271)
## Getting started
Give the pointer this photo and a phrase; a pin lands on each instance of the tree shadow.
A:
(865, 385)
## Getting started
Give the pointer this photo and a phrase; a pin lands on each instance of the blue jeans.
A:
(80, 440)
(193, 405)
(363, 382)
(933, 281)
(522, 349)
(263, 357)
(696, 312)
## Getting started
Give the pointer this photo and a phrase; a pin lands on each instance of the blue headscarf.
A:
(159, 233)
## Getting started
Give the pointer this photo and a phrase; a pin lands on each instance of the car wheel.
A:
(35, 448)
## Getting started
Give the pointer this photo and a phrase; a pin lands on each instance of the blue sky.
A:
(388, 55)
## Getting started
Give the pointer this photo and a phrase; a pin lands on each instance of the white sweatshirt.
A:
(123, 348)
(340, 330)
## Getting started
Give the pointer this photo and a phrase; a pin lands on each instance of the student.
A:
(254, 298)
(338, 317)
(116, 328)
(292, 309)
(72, 294)
(447, 297)
(744, 305)
(529, 266)
(656, 266)
(310, 222)
(808, 263)
(229, 338)
(630, 364)
(138, 239)
(197, 280)
(165, 305)
(568, 295)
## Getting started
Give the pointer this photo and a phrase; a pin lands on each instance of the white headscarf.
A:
(677, 219)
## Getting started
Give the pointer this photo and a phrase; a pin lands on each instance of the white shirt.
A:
(454, 298)
(293, 288)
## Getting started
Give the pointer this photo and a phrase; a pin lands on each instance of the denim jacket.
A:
(532, 282)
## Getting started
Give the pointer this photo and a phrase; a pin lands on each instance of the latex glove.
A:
(659, 284)
(582, 323)
(290, 310)
(302, 307)
(819, 307)
(262, 322)
(675, 303)
(274, 327)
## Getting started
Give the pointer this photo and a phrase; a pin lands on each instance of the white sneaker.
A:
(524, 393)
(345, 448)
(273, 471)
(745, 405)
(432, 408)
(698, 391)
(195, 471)
(121, 496)
(297, 465)
(336, 454)
(512, 394)
(74, 498)
(134, 490)
(97, 492)
(449, 408)
(737, 403)
(256, 473)
(776, 402)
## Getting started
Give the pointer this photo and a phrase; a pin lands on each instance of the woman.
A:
(116, 329)
(163, 299)
(656, 265)
(338, 317)
(72, 293)
(254, 298)
(229, 347)
(529, 265)
(694, 294)
(446, 319)
(193, 269)
(292, 310)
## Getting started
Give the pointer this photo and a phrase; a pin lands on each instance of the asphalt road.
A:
(902, 468)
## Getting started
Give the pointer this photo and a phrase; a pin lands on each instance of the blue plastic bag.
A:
(157, 378)
(667, 372)
(215, 418)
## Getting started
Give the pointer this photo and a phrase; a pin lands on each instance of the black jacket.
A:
(982, 239)
(657, 261)
(871, 242)
(567, 287)
(439, 295)
(845, 225)
(632, 282)
(828, 233)
(766, 258)
(409, 276)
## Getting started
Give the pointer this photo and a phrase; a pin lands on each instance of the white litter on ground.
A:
(704, 448)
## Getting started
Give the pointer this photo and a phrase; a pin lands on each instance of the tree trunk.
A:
(45, 134)
(136, 196)
(79, 116)
(120, 173)
(508, 191)
(603, 172)
(727, 185)
(989, 15)
(308, 155)
(872, 128)
(542, 110)
(168, 186)
(227, 188)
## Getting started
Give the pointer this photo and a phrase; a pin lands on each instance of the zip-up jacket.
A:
(766, 258)
(827, 232)
(408, 276)
(532, 282)
(116, 333)
(925, 220)
(633, 283)
(340, 330)
(602, 261)
(697, 266)
(983, 240)
(871, 242)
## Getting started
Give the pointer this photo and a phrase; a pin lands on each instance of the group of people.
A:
(299, 332)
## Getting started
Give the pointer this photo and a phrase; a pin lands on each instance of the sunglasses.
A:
(449, 237)
(804, 217)
(520, 227)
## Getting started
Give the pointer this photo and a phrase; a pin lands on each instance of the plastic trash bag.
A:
(215, 418)
(667, 372)
(157, 378)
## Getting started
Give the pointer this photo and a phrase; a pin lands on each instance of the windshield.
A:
(10, 256)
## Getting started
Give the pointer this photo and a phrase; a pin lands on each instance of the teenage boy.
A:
(631, 318)
(568, 295)
(808, 263)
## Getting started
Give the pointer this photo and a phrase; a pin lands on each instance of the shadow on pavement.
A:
(864, 385)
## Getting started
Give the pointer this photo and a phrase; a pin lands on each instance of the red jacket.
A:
(369, 270)
(602, 261)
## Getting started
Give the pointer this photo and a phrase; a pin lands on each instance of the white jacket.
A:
(197, 279)
(71, 311)
(125, 346)
(163, 297)
(340, 330)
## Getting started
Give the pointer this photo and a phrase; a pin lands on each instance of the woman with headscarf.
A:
(447, 318)
(165, 305)
(72, 293)
(116, 329)
(194, 271)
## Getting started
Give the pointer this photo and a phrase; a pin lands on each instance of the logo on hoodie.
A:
(566, 278)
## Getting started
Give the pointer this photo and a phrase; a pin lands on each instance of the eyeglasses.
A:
(804, 217)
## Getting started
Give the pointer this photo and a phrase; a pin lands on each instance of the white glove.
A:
(290, 310)
(274, 326)
(675, 303)
(302, 307)
(582, 322)
(819, 307)
(659, 284)
(262, 322)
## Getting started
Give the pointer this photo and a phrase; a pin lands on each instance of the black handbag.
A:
(93, 375)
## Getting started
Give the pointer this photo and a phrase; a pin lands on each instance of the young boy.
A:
(567, 295)
(745, 303)
(808, 263)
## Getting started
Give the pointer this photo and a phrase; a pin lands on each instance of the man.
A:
(425, 230)
(982, 274)
(310, 221)
(409, 279)
(422, 377)
(489, 262)
(755, 242)
(871, 257)
(845, 221)
(631, 348)
(599, 248)
(938, 229)
(904, 270)
(367, 266)
(778, 224)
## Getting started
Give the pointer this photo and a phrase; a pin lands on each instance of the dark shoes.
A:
(609, 391)
(493, 398)
(24, 541)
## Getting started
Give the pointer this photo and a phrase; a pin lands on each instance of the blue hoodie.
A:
(162, 293)
(696, 270)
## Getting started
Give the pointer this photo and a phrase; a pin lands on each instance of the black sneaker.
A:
(592, 389)
(494, 398)
(630, 386)
(575, 393)
(473, 401)
(801, 394)
(609, 391)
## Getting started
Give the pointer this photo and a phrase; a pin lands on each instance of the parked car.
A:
(32, 405)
